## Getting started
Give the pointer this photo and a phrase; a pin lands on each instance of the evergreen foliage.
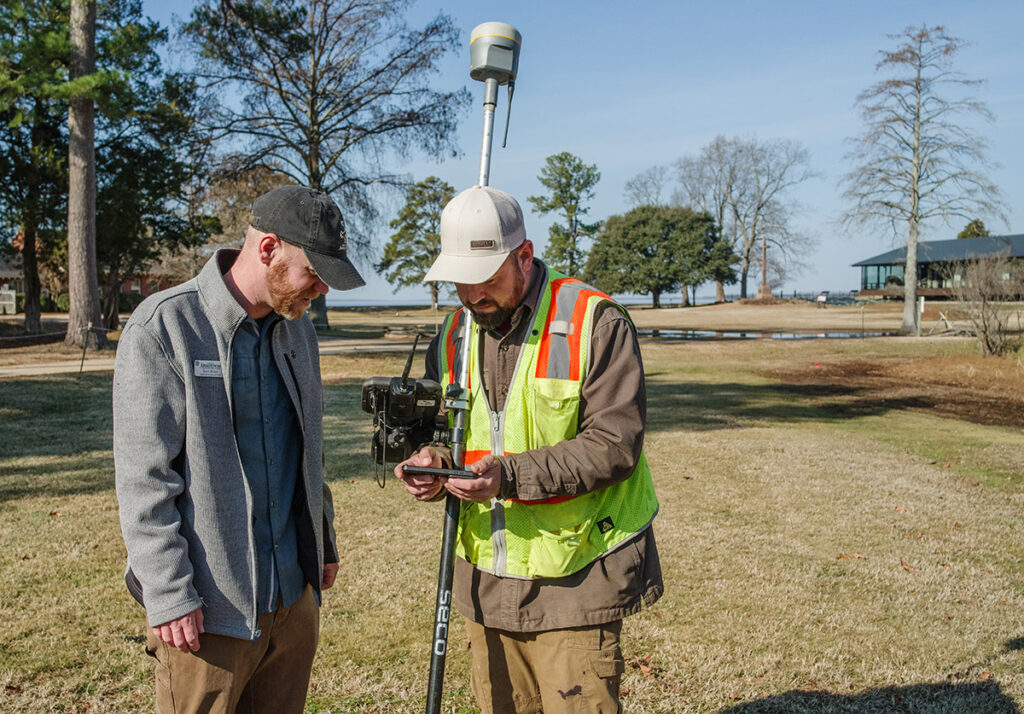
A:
(416, 242)
(570, 183)
(659, 249)
(147, 150)
(974, 229)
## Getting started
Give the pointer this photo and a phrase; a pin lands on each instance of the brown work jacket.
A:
(613, 410)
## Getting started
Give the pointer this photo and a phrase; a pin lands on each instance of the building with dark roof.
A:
(882, 275)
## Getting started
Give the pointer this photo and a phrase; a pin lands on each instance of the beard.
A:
(501, 311)
(494, 319)
(285, 300)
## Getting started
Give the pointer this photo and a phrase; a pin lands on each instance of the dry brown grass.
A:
(817, 558)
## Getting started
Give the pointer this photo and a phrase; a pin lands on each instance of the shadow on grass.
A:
(939, 698)
(57, 416)
(75, 476)
(704, 407)
(347, 433)
(69, 417)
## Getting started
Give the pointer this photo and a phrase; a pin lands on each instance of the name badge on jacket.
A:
(208, 368)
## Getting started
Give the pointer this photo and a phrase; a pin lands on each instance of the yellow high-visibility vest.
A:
(557, 536)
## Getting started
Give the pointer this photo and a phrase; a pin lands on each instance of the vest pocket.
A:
(556, 406)
(563, 551)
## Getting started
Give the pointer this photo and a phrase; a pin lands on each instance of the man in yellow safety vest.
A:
(555, 544)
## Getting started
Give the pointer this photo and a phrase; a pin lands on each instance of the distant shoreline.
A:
(337, 300)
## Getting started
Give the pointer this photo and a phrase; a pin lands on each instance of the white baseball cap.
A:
(479, 228)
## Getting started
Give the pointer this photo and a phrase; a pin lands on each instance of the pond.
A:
(670, 335)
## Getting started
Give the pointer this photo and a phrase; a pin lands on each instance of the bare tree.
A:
(647, 187)
(915, 159)
(745, 184)
(83, 287)
(706, 181)
(332, 89)
(981, 287)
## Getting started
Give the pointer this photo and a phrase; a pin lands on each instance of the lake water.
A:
(670, 335)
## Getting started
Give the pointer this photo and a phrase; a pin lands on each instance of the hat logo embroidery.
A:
(481, 244)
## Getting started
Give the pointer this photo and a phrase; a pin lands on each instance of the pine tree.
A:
(570, 183)
(416, 242)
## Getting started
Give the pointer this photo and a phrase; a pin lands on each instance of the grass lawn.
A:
(840, 531)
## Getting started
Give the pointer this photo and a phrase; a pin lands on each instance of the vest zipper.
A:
(497, 505)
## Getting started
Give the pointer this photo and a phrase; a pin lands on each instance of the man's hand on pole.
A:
(481, 489)
(423, 486)
(182, 633)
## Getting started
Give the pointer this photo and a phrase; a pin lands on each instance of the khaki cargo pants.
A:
(554, 672)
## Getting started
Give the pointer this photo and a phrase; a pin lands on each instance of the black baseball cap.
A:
(311, 220)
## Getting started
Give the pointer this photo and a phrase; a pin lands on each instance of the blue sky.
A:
(629, 85)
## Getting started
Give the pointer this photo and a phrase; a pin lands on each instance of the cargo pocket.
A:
(164, 693)
(158, 650)
(602, 696)
(607, 664)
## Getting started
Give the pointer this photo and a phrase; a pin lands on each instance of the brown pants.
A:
(228, 675)
(554, 672)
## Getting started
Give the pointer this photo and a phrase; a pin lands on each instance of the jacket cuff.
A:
(172, 612)
(330, 552)
(509, 488)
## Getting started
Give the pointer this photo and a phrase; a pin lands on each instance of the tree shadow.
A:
(76, 475)
(347, 434)
(937, 698)
(65, 416)
(729, 405)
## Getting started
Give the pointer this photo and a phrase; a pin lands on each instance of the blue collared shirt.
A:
(270, 445)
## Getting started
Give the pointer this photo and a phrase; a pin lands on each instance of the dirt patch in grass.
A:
(982, 390)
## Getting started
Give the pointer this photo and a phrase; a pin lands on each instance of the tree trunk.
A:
(910, 325)
(30, 269)
(111, 299)
(434, 290)
(719, 292)
(910, 316)
(743, 279)
(686, 297)
(83, 288)
(656, 298)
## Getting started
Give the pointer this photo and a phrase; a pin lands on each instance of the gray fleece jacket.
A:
(185, 504)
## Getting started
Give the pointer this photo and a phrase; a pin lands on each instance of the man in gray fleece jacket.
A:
(218, 456)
